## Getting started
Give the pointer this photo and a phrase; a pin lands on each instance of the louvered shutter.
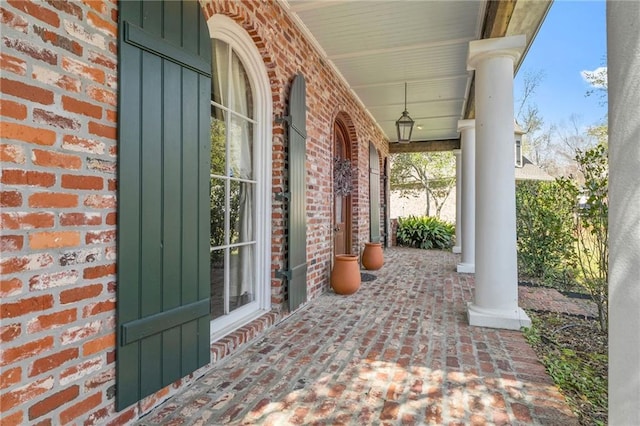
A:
(297, 177)
(163, 198)
(374, 194)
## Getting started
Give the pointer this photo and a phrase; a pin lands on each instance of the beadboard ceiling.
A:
(379, 45)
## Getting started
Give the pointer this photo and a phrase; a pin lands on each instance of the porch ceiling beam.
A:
(497, 17)
(425, 146)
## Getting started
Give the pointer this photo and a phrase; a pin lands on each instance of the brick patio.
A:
(399, 351)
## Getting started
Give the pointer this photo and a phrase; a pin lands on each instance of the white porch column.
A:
(458, 248)
(468, 147)
(496, 283)
(623, 47)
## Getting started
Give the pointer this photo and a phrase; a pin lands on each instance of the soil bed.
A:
(574, 352)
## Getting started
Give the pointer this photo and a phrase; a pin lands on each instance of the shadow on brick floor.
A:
(399, 351)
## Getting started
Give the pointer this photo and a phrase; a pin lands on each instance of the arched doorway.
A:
(341, 202)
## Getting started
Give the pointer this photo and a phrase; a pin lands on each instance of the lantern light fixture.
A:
(404, 124)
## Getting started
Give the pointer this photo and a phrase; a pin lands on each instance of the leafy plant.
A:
(544, 224)
(425, 232)
(591, 225)
(577, 363)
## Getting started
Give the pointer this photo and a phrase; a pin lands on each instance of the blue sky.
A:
(572, 39)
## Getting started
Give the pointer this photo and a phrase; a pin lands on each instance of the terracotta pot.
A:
(345, 276)
(372, 256)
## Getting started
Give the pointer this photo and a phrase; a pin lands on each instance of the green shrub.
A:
(544, 224)
(591, 225)
(425, 232)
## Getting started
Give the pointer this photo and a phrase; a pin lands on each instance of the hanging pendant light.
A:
(404, 124)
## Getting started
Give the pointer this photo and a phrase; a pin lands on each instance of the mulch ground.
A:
(570, 336)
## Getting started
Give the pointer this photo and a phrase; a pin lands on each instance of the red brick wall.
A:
(58, 153)
(58, 99)
(286, 52)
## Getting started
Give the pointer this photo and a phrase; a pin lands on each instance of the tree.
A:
(599, 81)
(573, 139)
(537, 141)
(434, 173)
(570, 138)
(600, 86)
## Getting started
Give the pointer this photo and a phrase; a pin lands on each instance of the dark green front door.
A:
(163, 196)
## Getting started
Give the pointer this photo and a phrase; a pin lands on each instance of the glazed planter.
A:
(372, 256)
(345, 276)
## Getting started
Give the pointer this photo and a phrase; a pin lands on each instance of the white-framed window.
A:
(240, 196)
(518, 158)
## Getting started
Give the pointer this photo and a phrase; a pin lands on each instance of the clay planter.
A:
(372, 256)
(345, 276)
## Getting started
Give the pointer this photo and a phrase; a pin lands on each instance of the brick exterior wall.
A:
(58, 108)
(58, 153)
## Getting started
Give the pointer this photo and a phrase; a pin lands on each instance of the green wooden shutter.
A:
(374, 194)
(297, 177)
(163, 197)
(383, 204)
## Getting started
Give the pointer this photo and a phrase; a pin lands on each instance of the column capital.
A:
(469, 123)
(480, 50)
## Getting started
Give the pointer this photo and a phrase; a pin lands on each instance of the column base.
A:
(466, 268)
(494, 318)
(457, 249)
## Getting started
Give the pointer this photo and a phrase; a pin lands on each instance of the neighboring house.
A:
(525, 169)
(167, 188)
(529, 171)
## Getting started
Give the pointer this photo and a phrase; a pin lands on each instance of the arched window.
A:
(240, 178)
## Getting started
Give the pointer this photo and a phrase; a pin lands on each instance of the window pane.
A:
(242, 98)
(241, 207)
(217, 212)
(240, 139)
(218, 142)
(241, 276)
(217, 283)
(233, 282)
(220, 65)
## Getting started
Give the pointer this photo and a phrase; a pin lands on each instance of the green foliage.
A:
(434, 173)
(563, 229)
(571, 371)
(576, 372)
(532, 334)
(218, 189)
(591, 225)
(425, 233)
(544, 224)
(600, 133)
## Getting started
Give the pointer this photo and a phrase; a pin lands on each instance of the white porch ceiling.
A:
(378, 45)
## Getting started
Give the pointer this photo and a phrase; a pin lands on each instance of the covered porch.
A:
(399, 351)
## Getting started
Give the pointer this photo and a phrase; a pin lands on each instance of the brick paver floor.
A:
(399, 351)
(551, 300)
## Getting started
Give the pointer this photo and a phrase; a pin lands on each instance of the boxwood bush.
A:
(425, 232)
